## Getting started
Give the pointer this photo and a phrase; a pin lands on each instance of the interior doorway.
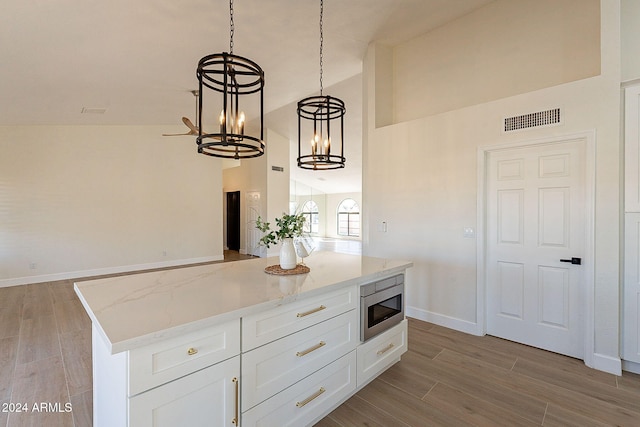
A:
(536, 255)
(233, 220)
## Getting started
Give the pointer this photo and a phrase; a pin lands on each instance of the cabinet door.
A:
(630, 340)
(632, 149)
(204, 398)
(631, 295)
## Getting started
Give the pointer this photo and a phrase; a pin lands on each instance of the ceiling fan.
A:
(193, 129)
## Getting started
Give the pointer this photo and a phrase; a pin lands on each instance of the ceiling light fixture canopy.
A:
(232, 79)
(322, 119)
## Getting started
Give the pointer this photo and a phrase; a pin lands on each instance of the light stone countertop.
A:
(139, 309)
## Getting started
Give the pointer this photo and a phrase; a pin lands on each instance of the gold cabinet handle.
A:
(315, 310)
(191, 351)
(237, 383)
(310, 349)
(384, 350)
(310, 398)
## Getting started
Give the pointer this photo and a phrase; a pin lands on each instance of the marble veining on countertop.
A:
(138, 309)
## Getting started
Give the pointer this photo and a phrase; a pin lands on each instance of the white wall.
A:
(255, 176)
(630, 39)
(503, 49)
(250, 176)
(85, 200)
(424, 185)
(277, 182)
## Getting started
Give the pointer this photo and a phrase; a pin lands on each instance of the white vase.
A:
(288, 258)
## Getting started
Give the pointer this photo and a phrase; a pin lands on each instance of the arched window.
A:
(349, 218)
(310, 212)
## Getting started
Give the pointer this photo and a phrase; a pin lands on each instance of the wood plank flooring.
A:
(45, 355)
(447, 378)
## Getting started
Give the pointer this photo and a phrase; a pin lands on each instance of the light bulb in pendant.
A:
(241, 123)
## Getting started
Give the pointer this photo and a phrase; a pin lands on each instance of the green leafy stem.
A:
(288, 226)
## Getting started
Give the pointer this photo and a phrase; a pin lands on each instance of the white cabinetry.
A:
(298, 360)
(279, 364)
(380, 352)
(631, 293)
(204, 398)
(307, 400)
(186, 380)
(631, 296)
(632, 149)
(268, 326)
(225, 344)
(285, 366)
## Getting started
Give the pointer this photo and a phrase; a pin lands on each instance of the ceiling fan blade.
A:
(177, 134)
(190, 125)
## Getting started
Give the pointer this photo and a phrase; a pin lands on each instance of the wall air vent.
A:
(526, 121)
(277, 168)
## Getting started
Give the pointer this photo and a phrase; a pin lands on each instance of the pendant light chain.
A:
(231, 26)
(322, 119)
(321, 42)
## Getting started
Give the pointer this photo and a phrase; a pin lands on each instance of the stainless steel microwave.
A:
(381, 306)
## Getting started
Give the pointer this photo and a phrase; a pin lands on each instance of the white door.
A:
(536, 225)
(253, 234)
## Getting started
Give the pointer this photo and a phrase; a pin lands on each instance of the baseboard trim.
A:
(610, 364)
(442, 320)
(601, 362)
(630, 366)
(104, 271)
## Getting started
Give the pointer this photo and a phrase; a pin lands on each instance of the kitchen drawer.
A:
(273, 367)
(308, 400)
(377, 354)
(172, 358)
(267, 326)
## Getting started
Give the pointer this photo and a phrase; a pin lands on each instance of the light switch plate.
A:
(468, 233)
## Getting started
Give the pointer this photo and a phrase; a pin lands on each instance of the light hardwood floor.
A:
(45, 355)
(447, 378)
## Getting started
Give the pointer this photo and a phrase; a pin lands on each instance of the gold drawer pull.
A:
(234, 421)
(310, 349)
(310, 398)
(315, 310)
(384, 350)
(191, 351)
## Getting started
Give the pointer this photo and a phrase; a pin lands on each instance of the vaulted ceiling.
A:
(137, 59)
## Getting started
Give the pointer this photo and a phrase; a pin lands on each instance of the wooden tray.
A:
(275, 269)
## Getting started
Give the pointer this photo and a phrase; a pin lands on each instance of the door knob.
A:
(574, 260)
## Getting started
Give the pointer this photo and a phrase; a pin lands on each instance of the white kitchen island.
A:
(227, 344)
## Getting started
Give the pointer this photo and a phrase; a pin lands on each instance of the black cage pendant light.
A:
(321, 126)
(232, 79)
